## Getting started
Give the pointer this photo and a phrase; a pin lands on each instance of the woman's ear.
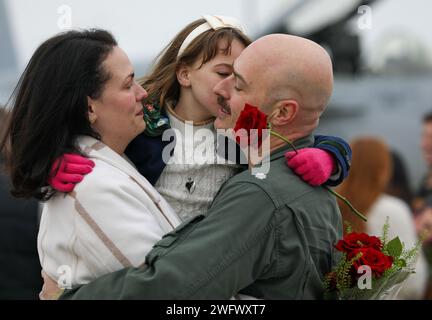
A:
(284, 112)
(91, 110)
(183, 75)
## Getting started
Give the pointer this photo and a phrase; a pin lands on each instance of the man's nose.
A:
(141, 93)
(221, 88)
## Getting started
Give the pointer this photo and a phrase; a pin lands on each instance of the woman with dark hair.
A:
(78, 95)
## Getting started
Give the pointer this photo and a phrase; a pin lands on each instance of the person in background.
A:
(425, 188)
(399, 184)
(423, 221)
(20, 270)
(422, 202)
(366, 187)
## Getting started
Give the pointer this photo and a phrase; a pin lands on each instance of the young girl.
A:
(181, 97)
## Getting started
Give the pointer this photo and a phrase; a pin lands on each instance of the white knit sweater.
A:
(188, 186)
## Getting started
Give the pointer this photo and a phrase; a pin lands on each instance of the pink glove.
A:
(313, 165)
(71, 171)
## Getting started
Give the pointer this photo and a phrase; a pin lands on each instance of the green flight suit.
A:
(269, 238)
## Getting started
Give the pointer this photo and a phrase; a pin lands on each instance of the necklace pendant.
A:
(190, 185)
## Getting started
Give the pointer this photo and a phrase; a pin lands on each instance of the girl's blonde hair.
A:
(368, 178)
(161, 84)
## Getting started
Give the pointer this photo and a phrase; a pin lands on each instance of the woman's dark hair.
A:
(3, 119)
(50, 108)
(427, 117)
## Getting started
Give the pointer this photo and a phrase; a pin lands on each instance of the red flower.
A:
(251, 118)
(353, 241)
(376, 260)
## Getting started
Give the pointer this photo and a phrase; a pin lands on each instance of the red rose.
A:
(251, 118)
(353, 241)
(376, 260)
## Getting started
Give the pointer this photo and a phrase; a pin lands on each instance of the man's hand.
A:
(50, 289)
(71, 170)
(313, 165)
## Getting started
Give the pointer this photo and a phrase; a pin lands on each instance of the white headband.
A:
(212, 22)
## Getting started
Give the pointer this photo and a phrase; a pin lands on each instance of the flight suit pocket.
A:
(163, 245)
(320, 247)
(168, 239)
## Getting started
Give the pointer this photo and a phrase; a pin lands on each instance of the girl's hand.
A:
(313, 165)
(71, 170)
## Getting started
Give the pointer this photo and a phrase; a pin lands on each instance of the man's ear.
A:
(91, 110)
(284, 112)
(182, 74)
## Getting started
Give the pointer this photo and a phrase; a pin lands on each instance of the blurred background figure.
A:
(20, 271)
(399, 184)
(423, 222)
(422, 203)
(365, 187)
(425, 188)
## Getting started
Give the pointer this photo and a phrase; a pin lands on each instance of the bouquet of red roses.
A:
(371, 267)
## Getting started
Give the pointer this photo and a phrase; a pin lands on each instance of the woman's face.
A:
(204, 79)
(117, 115)
(426, 143)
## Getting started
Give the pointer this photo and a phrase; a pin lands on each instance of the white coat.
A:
(110, 221)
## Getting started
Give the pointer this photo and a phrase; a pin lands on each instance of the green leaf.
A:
(394, 247)
(402, 263)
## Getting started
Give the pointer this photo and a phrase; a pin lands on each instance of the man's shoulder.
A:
(280, 183)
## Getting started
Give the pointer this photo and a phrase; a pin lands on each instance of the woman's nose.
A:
(141, 93)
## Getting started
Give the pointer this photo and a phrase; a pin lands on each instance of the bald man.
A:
(286, 76)
(271, 238)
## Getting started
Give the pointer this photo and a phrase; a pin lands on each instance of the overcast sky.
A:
(143, 27)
